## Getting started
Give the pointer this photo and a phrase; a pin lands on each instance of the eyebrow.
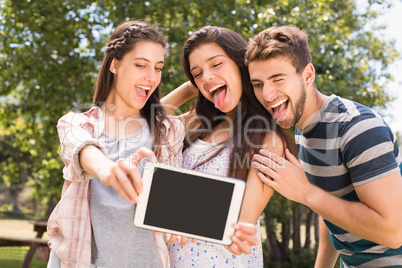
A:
(209, 59)
(145, 59)
(269, 78)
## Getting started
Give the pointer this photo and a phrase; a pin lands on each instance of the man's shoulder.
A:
(350, 115)
(348, 109)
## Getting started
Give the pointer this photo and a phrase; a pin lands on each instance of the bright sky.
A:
(393, 21)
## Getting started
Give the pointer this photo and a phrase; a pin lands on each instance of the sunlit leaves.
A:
(50, 52)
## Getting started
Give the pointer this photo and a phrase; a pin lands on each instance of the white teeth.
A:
(277, 104)
(216, 87)
(142, 87)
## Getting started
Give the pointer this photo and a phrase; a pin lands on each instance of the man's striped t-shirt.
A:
(347, 145)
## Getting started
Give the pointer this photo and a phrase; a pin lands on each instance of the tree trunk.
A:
(309, 222)
(53, 200)
(14, 191)
(285, 234)
(272, 243)
(285, 239)
(296, 228)
(317, 239)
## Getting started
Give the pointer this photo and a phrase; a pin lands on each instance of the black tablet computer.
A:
(189, 203)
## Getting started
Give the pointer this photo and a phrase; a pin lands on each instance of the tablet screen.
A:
(172, 203)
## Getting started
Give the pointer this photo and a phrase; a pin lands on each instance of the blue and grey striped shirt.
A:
(347, 145)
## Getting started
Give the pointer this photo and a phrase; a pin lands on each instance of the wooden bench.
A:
(32, 243)
(13, 241)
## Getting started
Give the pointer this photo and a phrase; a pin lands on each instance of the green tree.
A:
(50, 52)
(15, 162)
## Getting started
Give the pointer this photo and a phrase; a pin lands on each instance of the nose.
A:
(268, 93)
(150, 75)
(206, 76)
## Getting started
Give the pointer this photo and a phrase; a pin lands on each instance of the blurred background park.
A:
(50, 52)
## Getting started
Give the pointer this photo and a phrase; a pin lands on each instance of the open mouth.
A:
(279, 108)
(218, 93)
(143, 91)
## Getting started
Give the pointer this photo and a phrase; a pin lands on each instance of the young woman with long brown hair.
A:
(103, 149)
(227, 126)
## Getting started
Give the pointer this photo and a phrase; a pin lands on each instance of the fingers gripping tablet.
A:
(189, 203)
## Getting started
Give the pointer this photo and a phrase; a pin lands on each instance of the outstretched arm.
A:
(177, 97)
(258, 193)
(123, 175)
(255, 200)
(378, 209)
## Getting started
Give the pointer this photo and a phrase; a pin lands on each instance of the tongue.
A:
(141, 92)
(280, 110)
(219, 96)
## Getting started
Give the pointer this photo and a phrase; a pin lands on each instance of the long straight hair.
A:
(122, 41)
(249, 111)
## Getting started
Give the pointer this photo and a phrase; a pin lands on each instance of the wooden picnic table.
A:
(33, 243)
(40, 228)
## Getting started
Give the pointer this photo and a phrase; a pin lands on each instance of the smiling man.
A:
(349, 157)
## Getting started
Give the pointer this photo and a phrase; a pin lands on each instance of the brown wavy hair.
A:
(121, 42)
(284, 41)
(249, 111)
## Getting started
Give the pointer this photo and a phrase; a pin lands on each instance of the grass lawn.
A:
(11, 257)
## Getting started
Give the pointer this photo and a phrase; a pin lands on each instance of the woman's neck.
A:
(111, 109)
(115, 106)
(232, 114)
(121, 123)
(221, 132)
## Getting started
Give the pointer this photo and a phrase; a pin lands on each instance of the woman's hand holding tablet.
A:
(191, 204)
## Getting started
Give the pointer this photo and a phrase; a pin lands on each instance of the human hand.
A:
(124, 176)
(286, 176)
(244, 237)
(181, 240)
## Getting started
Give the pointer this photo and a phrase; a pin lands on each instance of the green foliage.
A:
(15, 156)
(5, 208)
(305, 259)
(14, 257)
(278, 208)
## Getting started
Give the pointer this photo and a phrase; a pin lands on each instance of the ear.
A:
(113, 66)
(309, 74)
